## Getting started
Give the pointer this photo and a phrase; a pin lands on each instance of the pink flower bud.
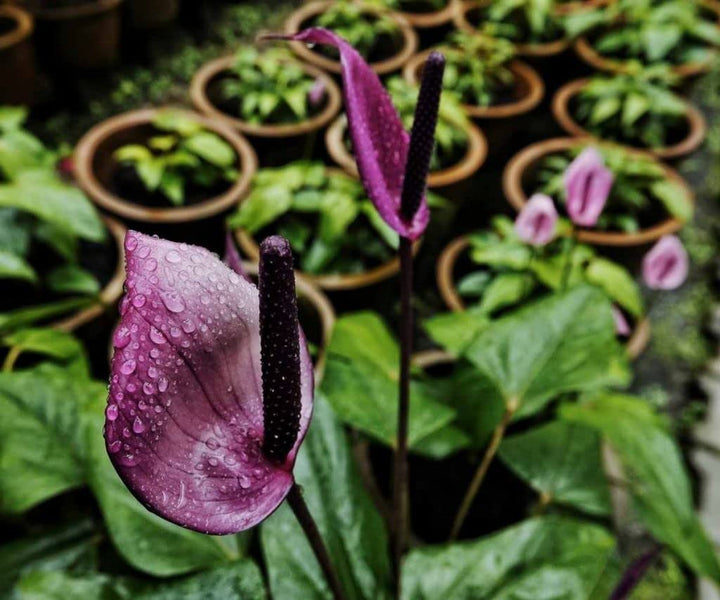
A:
(316, 95)
(665, 267)
(537, 221)
(622, 327)
(587, 187)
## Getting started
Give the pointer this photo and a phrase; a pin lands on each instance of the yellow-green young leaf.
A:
(545, 558)
(212, 148)
(636, 105)
(72, 279)
(658, 480)
(617, 283)
(54, 343)
(353, 531)
(674, 198)
(604, 109)
(454, 331)
(507, 289)
(564, 342)
(563, 462)
(13, 266)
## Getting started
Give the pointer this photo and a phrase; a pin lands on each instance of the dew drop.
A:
(121, 337)
(150, 265)
(172, 257)
(139, 301)
(111, 412)
(152, 372)
(173, 302)
(212, 444)
(130, 243)
(128, 367)
(115, 447)
(148, 388)
(138, 425)
(156, 336)
(162, 384)
(144, 251)
(188, 326)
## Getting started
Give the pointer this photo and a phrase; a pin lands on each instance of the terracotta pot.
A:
(333, 282)
(445, 277)
(111, 292)
(471, 162)
(217, 68)
(17, 57)
(299, 19)
(430, 20)
(533, 154)
(697, 127)
(81, 36)
(95, 167)
(528, 93)
(536, 50)
(573, 6)
(592, 57)
(147, 14)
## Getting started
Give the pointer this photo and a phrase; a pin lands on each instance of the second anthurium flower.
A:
(587, 187)
(186, 425)
(537, 222)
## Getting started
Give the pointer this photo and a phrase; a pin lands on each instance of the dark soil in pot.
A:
(17, 57)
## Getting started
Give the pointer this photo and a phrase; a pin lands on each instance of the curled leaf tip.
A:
(422, 138)
(280, 341)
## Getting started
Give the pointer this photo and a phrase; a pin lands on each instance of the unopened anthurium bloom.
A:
(665, 266)
(200, 429)
(537, 222)
(587, 186)
(622, 327)
(380, 142)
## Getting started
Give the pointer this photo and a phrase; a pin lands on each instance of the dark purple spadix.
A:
(185, 424)
(280, 342)
(422, 138)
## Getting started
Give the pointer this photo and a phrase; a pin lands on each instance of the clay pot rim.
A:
(394, 63)
(24, 25)
(75, 12)
(538, 50)
(210, 70)
(85, 152)
(112, 290)
(592, 57)
(432, 19)
(697, 126)
(474, 158)
(334, 282)
(516, 167)
(444, 276)
(520, 69)
(316, 297)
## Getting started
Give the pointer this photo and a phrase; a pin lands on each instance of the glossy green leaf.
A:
(562, 462)
(31, 315)
(72, 279)
(54, 343)
(13, 266)
(545, 558)
(454, 331)
(655, 473)
(351, 528)
(564, 342)
(617, 283)
(212, 148)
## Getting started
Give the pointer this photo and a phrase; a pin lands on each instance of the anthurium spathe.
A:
(537, 222)
(665, 266)
(587, 186)
(186, 425)
(379, 140)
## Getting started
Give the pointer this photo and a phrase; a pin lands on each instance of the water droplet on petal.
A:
(138, 425)
(115, 446)
(121, 337)
(111, 412)
(148, 388)
(130, 243)
(139, 301)
(188, 326)
(212, 444)
(173, 302)
(128, 367)
(172, 257)
(156, 336)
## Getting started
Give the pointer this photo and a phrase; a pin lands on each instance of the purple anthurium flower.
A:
(665, 267)
(587, 186)
(317, 92)
(537, 221)
(379, 140)
(622, 327)
(199, 428)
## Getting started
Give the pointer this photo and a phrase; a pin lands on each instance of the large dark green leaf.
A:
(545, 558)
(353, 531)
(361, 383)
(564, 342)
(655, 473)
(563, 462)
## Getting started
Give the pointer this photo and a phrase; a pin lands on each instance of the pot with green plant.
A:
(338, 241)
(77, 34)
(683, 34)
(637, 110)
(17, 57)
(386, 40)
(164, 166)
(646, 199)
(268, 95)
(532, 25)
(460, 150)
(496, 270)
(61, 262)
(421, 14)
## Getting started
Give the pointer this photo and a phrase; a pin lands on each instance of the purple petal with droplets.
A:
(587, 186)
(184, 422)
(379, 140)
(537, 221)
(666, 266)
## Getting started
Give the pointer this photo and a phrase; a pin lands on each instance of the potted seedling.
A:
(268, 95)
(17, 58)
(533, 25)
(682, 34)
(61, 262)
(460, 150)
(384, 39)
(483, 72)
(645, 201)
(338, 241)
(637, 110)
(421, 14)
(164, 166)
(496, 270)
(78, 34)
